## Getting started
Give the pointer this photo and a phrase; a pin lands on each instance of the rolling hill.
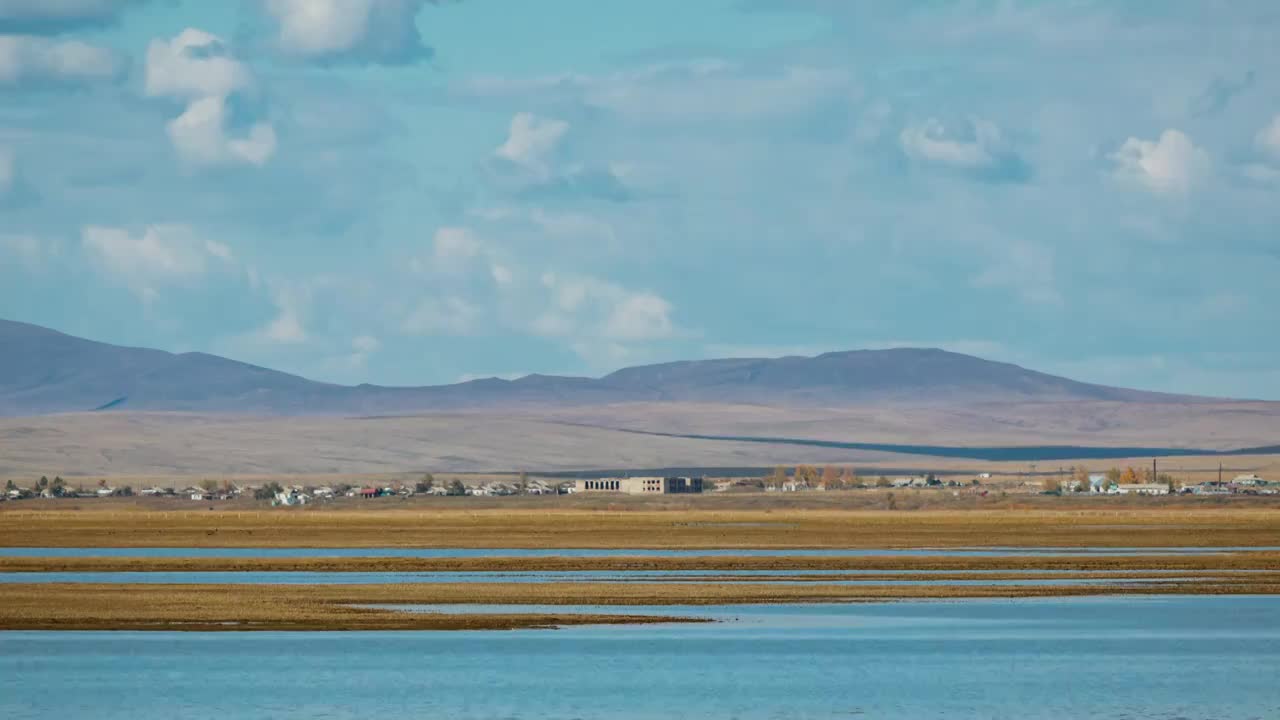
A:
(44, 371)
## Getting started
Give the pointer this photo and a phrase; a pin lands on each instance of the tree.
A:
(125, 491)
(426, 484)
(10, 485)
(1114, 475)
(268, 491)
(1082, 479)
(1052, 486)
(457, 488)
(1129, 476)
(932, 480)
(208, 485)
(806, 475)
(883, 482)
(778, 478)
(58, 487)
(849, 478)
(830, 477)
(42, 483)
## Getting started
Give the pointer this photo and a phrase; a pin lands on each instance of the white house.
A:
(1142, 489)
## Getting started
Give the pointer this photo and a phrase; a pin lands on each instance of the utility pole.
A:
(1155, 476)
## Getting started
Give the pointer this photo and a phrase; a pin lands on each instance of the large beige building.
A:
(643, 485)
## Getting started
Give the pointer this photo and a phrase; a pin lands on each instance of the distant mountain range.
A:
(44, 371)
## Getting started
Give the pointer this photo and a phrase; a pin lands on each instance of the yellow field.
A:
(1154, 526)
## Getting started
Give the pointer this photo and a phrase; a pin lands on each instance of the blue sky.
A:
(411, 192)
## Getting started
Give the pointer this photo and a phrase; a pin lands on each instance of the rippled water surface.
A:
(1114, 657)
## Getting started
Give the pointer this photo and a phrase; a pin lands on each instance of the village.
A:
(801, 479)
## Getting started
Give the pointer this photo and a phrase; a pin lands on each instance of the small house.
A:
(1142, 489)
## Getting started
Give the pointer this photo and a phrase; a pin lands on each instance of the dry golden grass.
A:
(72, 606)
(1153, 526)
(1188, 563)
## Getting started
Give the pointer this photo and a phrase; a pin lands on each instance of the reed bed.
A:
(1250, 560)
(72, 606)
(81, 606)
(1151, 527)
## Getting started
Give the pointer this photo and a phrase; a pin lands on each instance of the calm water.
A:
(1193, 658)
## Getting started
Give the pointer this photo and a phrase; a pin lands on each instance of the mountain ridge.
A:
(45, 371)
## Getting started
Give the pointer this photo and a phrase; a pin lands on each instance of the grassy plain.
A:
(189, 447)
(1146, 525)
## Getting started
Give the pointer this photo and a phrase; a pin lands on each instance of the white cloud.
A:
(199, 135)
(377, 31)
(978, 148)
(287, 327)
(502, 275)
(532, 159)
(26, 58)
(456, 243)
(159, 255)
(1171, 164)
(195, 66)
(459, 252)
(447, 316)
(1268, 138)
(641, 316)
(595, 311)
(362, 348)
(531, 141)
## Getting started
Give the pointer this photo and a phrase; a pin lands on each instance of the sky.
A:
(410, 192)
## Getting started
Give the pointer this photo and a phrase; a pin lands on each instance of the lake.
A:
(1159, 658)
